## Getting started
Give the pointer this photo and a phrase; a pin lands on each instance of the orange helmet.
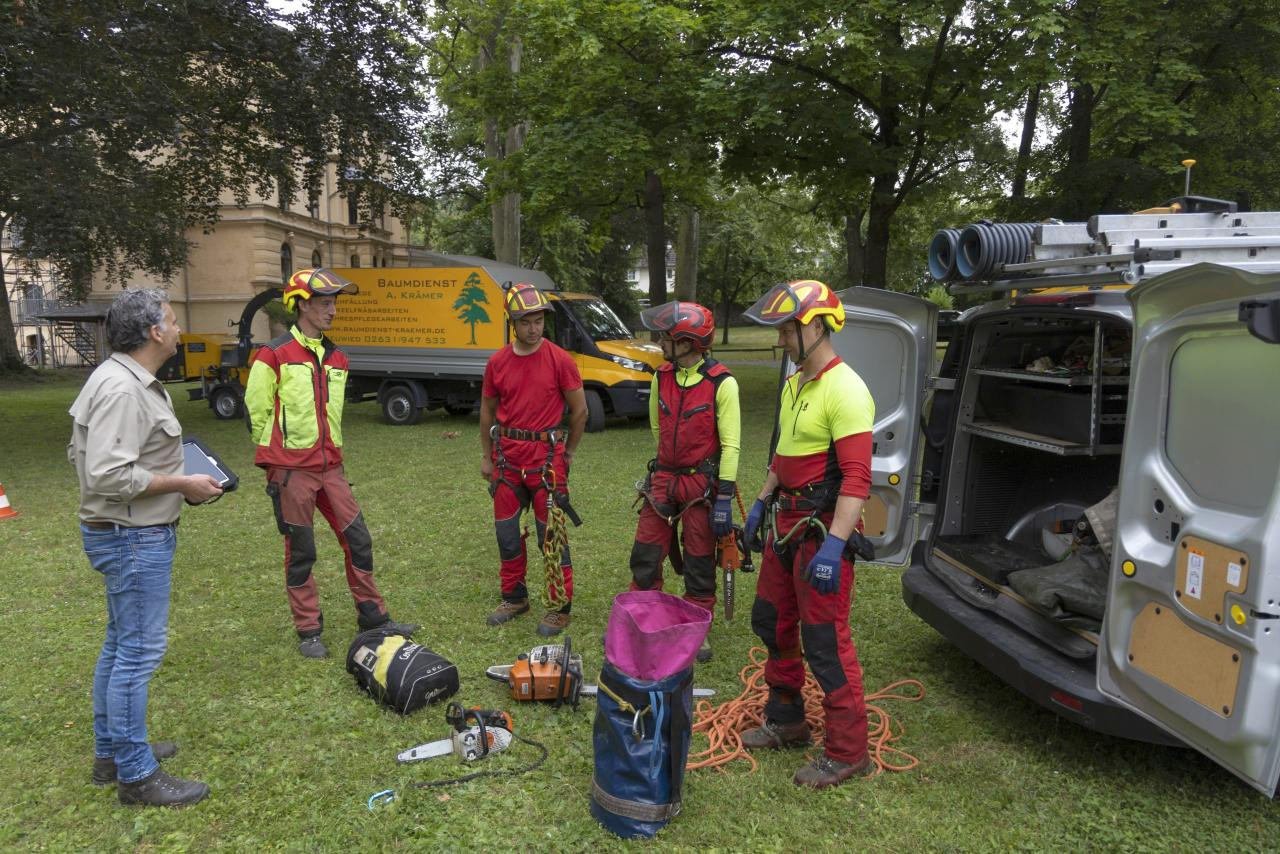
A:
(523, 298)
(315, 280)
(683, 321)
(801, 301)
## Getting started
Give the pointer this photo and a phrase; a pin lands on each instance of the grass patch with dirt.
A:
(292, 750)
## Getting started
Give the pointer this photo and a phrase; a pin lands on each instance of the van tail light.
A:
(1075, 704)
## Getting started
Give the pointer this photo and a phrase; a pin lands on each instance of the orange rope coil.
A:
(724, 724)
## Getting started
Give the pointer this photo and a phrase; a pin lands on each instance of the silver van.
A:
(1086, 489)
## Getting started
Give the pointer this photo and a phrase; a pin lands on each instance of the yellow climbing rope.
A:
(554, 596)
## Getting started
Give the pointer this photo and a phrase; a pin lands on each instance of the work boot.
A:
(404, 629)
(104, 767)
(704, 651)
(774, 736)
(507, 611)
(553, 623)
(313, 647)
(825, 772)
(162, 790)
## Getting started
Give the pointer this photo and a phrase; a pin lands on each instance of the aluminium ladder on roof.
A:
(1127, 248)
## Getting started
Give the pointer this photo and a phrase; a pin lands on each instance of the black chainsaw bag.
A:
(398, 672)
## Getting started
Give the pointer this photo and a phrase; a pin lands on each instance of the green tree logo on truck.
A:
(469, 304)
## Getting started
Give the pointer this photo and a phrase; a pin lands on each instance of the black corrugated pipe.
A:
(985, 245)
(942, 254)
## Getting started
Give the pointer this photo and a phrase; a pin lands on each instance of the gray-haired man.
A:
(126, 445)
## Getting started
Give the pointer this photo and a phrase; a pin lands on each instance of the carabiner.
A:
(386, 796)
(637, 731)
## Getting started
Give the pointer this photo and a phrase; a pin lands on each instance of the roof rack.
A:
(1108, 249)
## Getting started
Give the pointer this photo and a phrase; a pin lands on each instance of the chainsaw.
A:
(552, 672)
(732, 555)
(547, 672)
(490, 733)
(477, 733)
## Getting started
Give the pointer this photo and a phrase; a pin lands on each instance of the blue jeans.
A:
(136, 565)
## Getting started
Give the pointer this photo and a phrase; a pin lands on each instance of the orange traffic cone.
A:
(6, 512)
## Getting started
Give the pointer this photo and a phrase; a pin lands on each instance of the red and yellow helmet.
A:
(801, 301)
(523, 298)
(683, 321)
(315, 280)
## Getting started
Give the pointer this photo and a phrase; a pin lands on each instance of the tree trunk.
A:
(879, 215)
(1077, 201)
(1024, 148)
(855, 249)
(655, 237)
(10, 359)
(687, 256)
(499, 144)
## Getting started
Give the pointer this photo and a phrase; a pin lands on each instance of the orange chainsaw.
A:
(552, 672)
(732, 555)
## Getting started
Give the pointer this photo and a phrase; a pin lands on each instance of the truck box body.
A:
(419, 338)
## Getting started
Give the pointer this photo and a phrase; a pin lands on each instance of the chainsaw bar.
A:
(500, 672)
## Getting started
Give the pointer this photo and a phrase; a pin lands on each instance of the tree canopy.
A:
(125, 122)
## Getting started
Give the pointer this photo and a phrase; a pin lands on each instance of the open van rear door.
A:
(1192, 629)
(888, 338)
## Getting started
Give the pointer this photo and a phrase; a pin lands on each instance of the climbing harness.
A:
(559, 510)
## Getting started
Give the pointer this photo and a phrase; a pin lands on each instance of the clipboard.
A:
(197, 458)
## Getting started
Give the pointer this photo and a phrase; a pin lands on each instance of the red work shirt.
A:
(531, 395)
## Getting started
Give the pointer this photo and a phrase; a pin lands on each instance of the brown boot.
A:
(824, 772)
(508, 611)
(775, 736)
(553, 623)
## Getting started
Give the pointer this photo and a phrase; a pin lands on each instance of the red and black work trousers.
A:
(672, 492)
(787, 612)
(513, 490)
(295, 496)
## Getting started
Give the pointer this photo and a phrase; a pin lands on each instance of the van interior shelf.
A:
(1051, 444)
(1049, 378)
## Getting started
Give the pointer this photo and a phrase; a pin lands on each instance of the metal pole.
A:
(1187, 187)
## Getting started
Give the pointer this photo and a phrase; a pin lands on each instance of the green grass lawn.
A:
(292, 751)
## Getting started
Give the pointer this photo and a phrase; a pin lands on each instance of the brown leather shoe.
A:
(552, 623)
(508, 611)
(825, 772)
(774, 736)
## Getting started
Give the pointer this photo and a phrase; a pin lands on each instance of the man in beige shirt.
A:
(126, 445)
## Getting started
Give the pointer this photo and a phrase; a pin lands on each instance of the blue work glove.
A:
(754, 517)
(722, 510)
(823, 571)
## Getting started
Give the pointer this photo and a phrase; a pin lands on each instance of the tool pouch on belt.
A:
(858, 546)
(641, 743)
(398, 672)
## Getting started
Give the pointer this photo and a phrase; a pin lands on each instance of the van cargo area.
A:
(1039, 412)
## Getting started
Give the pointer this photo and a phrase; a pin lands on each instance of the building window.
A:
(384, 260)
(316, 260)
(353, 211)
(286, 262)
(355, 260)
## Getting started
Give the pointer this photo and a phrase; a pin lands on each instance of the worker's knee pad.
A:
(700, 576)
(646, 564)
(360, 543)
(823, 655)
(510, 543)
(302, 555)
(764, 622)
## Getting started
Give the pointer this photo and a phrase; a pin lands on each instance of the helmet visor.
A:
(325, 282)
(776, 307)
(665, 317)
